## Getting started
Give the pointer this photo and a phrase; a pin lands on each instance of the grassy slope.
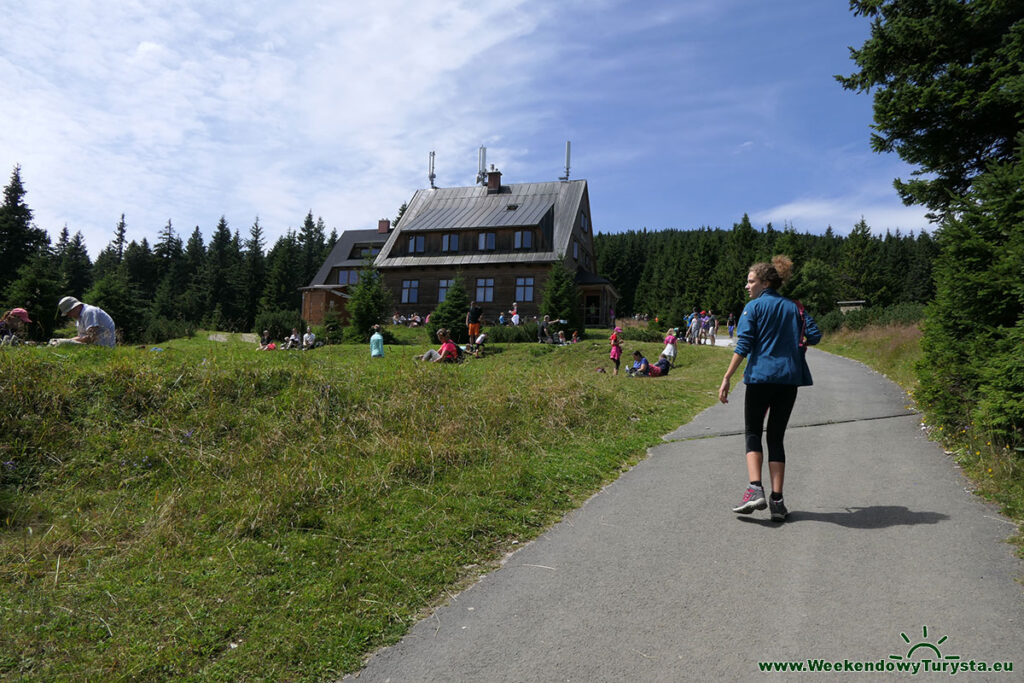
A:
(212, 512)
(997, 473)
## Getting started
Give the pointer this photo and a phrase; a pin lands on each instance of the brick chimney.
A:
(493, 180)
(384, 225)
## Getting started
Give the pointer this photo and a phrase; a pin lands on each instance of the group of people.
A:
(293, 341)
(93, 325)
(701, 327)
(511, 317)
(413, 320)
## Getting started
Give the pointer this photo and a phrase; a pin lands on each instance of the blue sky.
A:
(681, 114)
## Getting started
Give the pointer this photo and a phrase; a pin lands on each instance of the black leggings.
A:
(775, 400)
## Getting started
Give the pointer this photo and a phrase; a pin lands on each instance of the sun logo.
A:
(924, 645)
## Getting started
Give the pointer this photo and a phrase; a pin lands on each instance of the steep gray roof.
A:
(456, 208)
(339, 256)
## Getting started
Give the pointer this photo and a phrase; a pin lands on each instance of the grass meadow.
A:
(207, 511)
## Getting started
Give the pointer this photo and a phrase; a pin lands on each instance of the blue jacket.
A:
(768, 336)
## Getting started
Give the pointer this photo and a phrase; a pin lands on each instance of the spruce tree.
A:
(561, 298)
(450, 314)
(37, 288)
(19, 238)
(369, 305)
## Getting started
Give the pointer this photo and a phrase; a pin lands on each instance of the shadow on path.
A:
(875, 517)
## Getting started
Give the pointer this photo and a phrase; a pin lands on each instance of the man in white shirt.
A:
(308, 339)
(94, 325)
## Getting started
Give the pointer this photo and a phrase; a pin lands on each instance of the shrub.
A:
(642, 334)
(857, 320)
(280, 323)
(831, 322)
(511, 334)
(333, 331)
(161, 329)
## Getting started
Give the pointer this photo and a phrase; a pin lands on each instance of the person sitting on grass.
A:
(661, 367)
(448, 353)
(94, 325)
(308, 339)
(293, 341)
(640, 366)
(11, 325)
(478, 349)
(266, 343)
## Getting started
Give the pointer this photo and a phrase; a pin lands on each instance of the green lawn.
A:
(210, 511)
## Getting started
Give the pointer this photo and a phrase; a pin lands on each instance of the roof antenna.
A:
(481, 166)
(568, 146)
(430, 173)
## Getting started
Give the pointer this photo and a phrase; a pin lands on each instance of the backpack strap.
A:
(802, 343)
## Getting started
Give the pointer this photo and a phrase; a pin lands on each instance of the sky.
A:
(681, 114)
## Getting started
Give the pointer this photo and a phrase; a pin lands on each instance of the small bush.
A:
(333, 331)
(642, 334)
(857, 320)
(512, 334)
(161, 329)
(831, 322)
(280, 323)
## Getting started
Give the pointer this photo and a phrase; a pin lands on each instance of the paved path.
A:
(654, 579)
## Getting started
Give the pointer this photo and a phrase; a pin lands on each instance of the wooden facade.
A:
(502, 240)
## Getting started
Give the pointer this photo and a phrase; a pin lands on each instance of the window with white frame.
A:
(524, 289)
(523, 239)
(484, 289)
(416, 244)
(442, 289)
(485, 242)
(410, 291)
(450, 242)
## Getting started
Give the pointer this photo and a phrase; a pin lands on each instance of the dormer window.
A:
(485, 241)
(523, 239)
(416, 244)
(450, 242)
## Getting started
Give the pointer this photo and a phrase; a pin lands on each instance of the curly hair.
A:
(776, 273)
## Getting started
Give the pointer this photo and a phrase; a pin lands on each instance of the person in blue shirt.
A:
(376, 343)
(772, 334)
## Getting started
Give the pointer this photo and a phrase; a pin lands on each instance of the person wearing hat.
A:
(11, 324)
(95, 326)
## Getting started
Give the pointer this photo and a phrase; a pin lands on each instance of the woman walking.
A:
(772, 335)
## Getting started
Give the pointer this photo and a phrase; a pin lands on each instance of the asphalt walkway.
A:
(886, 559)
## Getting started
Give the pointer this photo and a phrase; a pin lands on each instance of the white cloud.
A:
(814, 214)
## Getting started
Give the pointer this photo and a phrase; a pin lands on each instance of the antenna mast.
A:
(431, 176)
(481, 167)
(568, 146)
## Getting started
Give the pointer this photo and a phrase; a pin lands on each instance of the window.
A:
(410, 291)
(584, 222)
(484, 289)
(364, 251)
(442, 289)
(416, 244)
(450, 242)
(486, 241)
(523, 239)
(524, 289)
(576, 250)
(348, 277)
